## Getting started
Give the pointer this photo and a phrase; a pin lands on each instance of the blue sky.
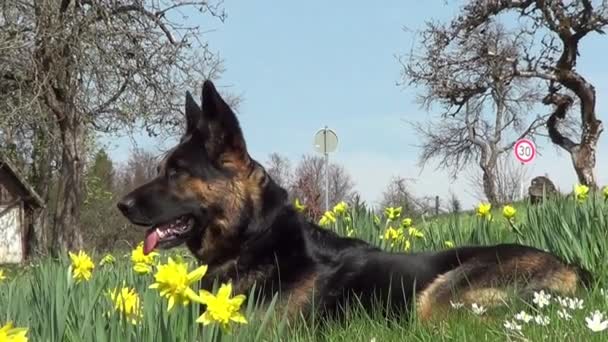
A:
(302, 65)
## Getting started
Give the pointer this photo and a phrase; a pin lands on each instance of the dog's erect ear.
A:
(193, 113)
(225, 138)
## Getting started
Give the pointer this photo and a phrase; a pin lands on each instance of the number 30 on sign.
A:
(525, 151)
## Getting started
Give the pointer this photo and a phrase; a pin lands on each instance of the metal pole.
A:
(326, 169)
(521, 184)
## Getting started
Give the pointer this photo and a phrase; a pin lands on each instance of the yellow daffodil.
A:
(406, 223)
(221, 308)
(449, 244)
(126, 302)
(2, 276)
(173, 281)
(142, 268)
(10, 334)
(299, 206)
(142, 263)
(340, 208)
(392, 213)
(392, 235)
(82, 266)
(484, 210)
(605, 192)
(327, 218)
(415, 232)
(581, 192)
(108, 259)
(508, 212)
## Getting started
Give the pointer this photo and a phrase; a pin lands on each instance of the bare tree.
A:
(309, 184)
(139, 168)
(81, 66)
(485, 106)
(510, 178)
(455, 206)
(279, 169)
(554, 30)
(398, 194)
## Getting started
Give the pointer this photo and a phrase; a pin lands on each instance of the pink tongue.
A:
(151, 241)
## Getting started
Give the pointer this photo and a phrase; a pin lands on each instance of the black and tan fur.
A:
(248, 232)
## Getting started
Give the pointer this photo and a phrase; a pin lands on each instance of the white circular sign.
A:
(525, 150)
(325, 141)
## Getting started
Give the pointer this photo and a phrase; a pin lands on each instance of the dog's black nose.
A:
(126, 204)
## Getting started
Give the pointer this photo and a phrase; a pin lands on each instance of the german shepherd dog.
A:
(212, 196)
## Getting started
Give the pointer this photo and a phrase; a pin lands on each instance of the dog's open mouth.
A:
(168, 234)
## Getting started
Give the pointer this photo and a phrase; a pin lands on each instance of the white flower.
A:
(595, 322)
(563, 302)
(541, 298)
(541, 320)
(575, 303)
(512, 325)
(456, 305)
(524, 317)
(563, 314)
(478, 309)
(570, 303)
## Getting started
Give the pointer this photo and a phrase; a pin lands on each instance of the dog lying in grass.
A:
(212, 196)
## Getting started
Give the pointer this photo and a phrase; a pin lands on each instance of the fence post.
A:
(436, 205)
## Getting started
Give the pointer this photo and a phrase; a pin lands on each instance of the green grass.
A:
(44, 298)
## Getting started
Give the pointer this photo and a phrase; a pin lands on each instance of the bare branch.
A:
(113, 98)
(529, 132)
(479, 12)
(156, 18)
(562, 103)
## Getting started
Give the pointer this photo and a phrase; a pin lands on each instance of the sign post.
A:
(525, 153)
(326, 141)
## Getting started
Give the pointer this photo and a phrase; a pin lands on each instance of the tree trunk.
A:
(583, 153)
(489, 184)
(583, 159)
(54, 60)
(42, 177)
(67, 232)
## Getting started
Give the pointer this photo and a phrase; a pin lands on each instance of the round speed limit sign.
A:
(525, 151)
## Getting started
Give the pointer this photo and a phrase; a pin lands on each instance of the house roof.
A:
(33, 197)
